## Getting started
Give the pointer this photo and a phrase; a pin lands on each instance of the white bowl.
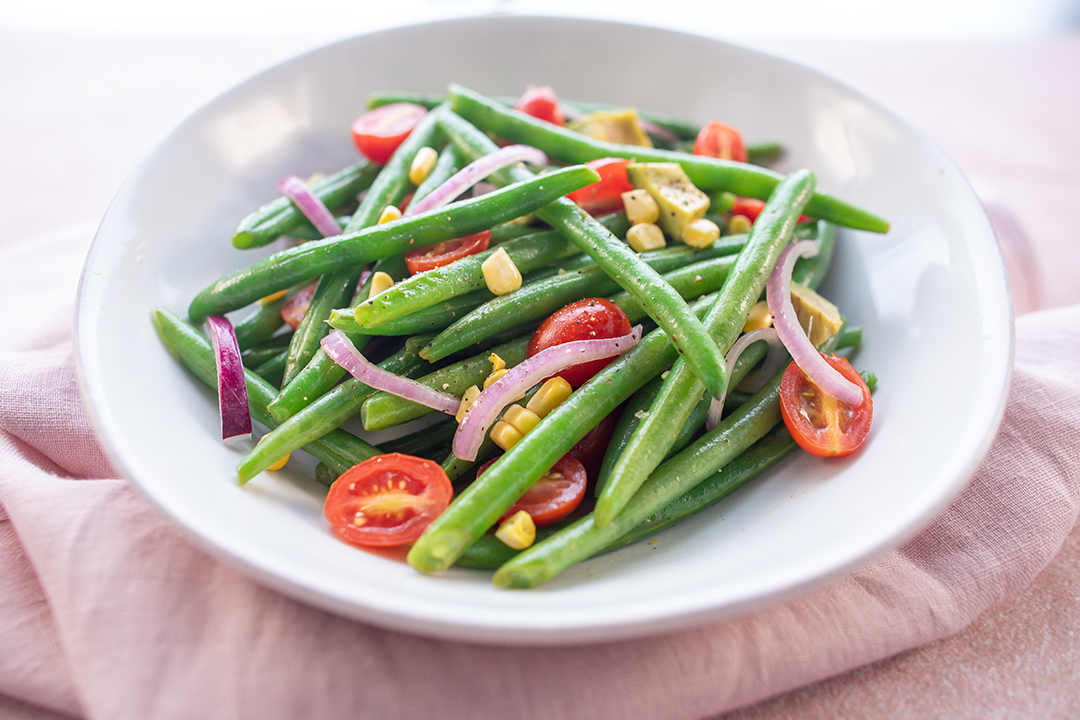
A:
(931, 295)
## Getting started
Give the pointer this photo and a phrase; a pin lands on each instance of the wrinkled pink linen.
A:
(107, 612)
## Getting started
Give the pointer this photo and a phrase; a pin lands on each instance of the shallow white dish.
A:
(931, 295)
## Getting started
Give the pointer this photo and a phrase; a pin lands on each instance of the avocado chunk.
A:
(819, 317)
(680, 202)
(614, 126)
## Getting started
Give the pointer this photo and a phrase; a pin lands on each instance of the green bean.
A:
(193, 349)
(708, 174)
(280, 216)
(430, 441)
(272, 370)
(261, 324)
(288, 267)
(616, 258)
(682, 390)
(425, 289)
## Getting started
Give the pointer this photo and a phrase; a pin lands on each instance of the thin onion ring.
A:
(232, 385)
(297, 190)
(474, 172)
(772, 363)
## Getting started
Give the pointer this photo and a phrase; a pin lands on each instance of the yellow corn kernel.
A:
(640, 206)
(422, 165)
(645, 236)
(758, 317)
(495, 375)
(517, 531)
(380, 281)
(390, 212)
(500, 273)
(280, 463)
(550, 396)
(700, 233)
(739, 225)
(272, 297)
(467, 399)
(505, 435)
(521, 419)
(497, 363)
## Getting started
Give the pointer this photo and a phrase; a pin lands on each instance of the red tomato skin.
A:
(590, 449)
(751, 208)
(722, 141)
(844, 427)
(420, 487)
(551, 499)
(378, 132)
(584, 319)
(446, 252)
(604, 195)
(542, 104)
(292, 312)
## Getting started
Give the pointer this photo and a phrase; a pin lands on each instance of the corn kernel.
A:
(645, 236)
(700, 233)
(517, 531)
(467, 399)
(739, 225)
(521, 419)
(505, 435)
(495, 375)
(272, 297)
(280, 463)
(422, 165)
(758, 317)
(390, 212)
(550, 395)
(640, 206)
(500, 273)
(380, 281)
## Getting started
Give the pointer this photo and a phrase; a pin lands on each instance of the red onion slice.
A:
(474, 172)
(511, 386)
(344, 353)
(232, 386)
(803, 352)
(313, 208)
(772, 364)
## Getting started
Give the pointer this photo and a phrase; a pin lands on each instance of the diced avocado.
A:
(818, 317)
(680, 202)
(616, 126)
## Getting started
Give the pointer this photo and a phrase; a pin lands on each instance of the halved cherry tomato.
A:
(604, 195)
(720, 141)
(292, 312)
(387, 500)
(554, 496)
(751, 208)
(584, 319)
(446, 252)
(541, 103)
(378, 132)
(822, 425)
(590, 449)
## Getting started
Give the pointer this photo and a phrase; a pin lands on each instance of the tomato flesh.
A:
(292, 312)
(542, 104)
(722, 141)
(446, 252)
(554, 496)
(604, 195)
(586, 319)
(822, 425)
(387, 500)
(378, 132)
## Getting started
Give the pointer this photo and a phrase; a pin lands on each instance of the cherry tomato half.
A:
(822, 425)
(446, 252)
(585, 319)
(604, 195)
(720, 141)
(554, 496)
(751, 208)
(387, 500)
(378, 132)
(292, 312)
(590, 449)
(541, 103)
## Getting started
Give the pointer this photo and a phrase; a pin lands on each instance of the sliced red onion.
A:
(772, 364)
(474, 172)
(344, 353)
(313, 208)
(803, 352)
(511, 386)
(232, 387)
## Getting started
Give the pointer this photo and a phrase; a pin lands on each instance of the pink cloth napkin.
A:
(107, 612)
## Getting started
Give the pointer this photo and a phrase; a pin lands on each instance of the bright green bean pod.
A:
(708, 174)
(193, 349)
(682, 390)
(616, 258)
(288, 267)
(281, 216)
